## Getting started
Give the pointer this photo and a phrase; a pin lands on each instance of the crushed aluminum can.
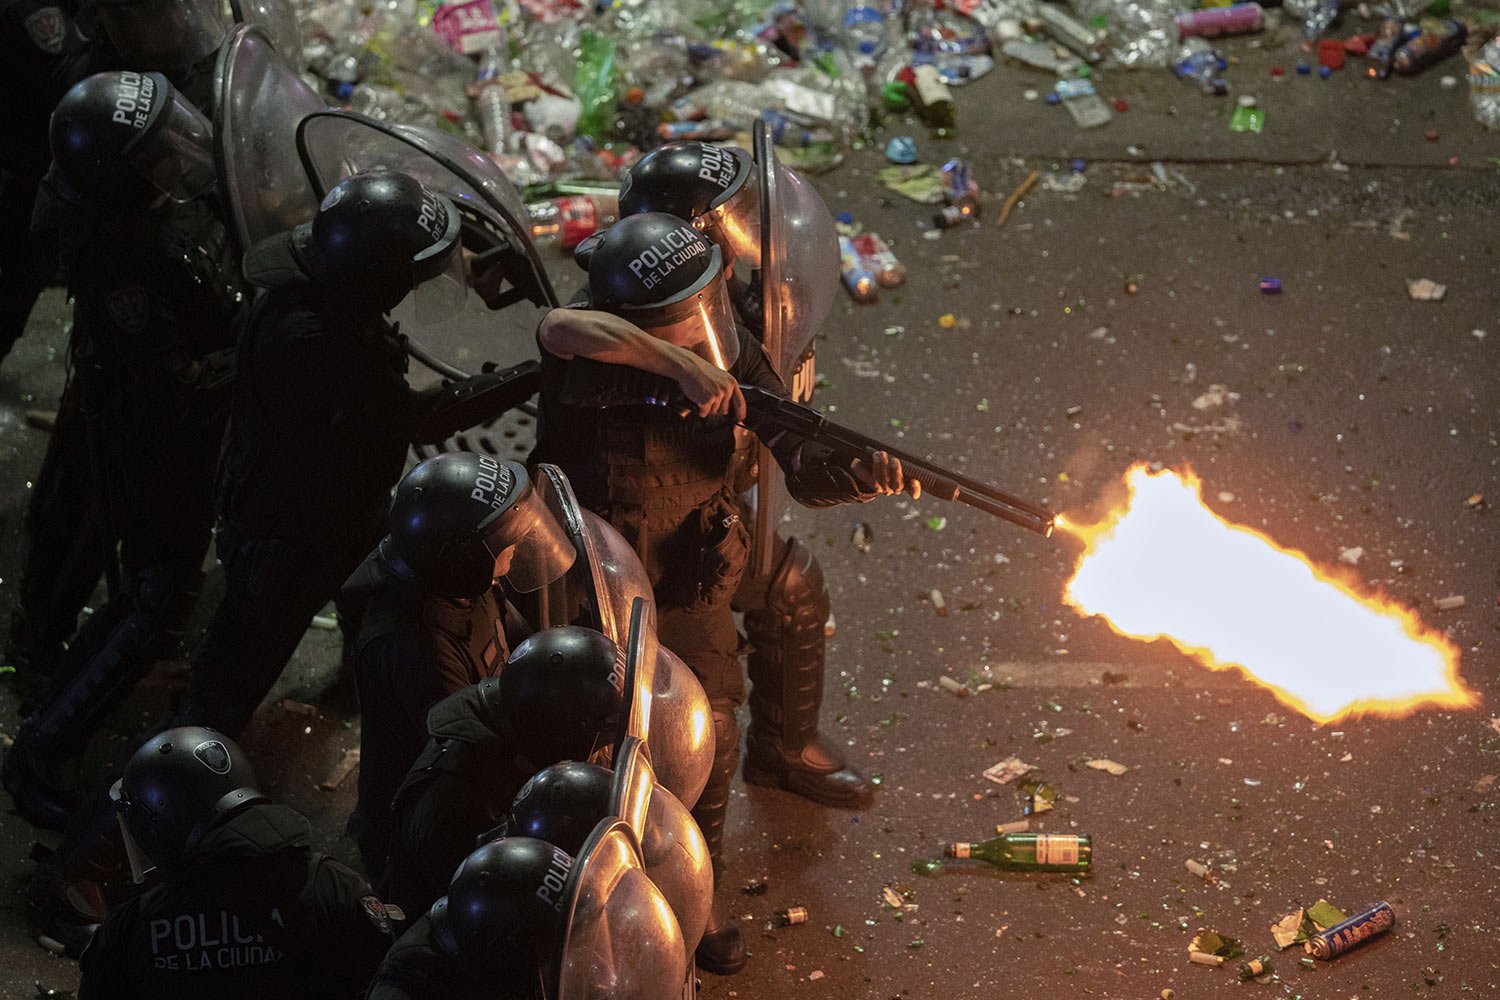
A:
(1341, 937)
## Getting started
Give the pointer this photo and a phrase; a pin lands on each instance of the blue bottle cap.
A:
(1053, 98)
(845, 218)
(1303, 69)
(1077, 166)
(1325, 72)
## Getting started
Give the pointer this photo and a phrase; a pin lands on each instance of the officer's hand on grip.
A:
(882, 474)
(712, 391)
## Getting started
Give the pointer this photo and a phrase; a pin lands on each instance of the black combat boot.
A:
(721, 950)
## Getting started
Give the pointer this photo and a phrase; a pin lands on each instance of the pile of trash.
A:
(556, 89)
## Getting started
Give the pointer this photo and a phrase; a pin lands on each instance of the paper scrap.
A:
(1105, 764)
(1008, 770)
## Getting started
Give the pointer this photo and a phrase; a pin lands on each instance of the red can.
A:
(568, 221)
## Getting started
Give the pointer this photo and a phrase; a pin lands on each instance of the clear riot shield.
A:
(673, 850)
(606, 577)
(261, 98)
(277, 19)
(640, 667)
(680, 731)
(799, 277)
(619, 939)
(336, 144)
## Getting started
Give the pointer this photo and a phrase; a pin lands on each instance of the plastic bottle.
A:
(1388, 38)
(879, 260)
(491, 106)
(857, 278)
(1210, 22)
(1061, 852)
(962, 194)
(864, 33)
(1484, 84)
(567, 221)
(1317, 16)
(1199, 62)
(1438, 40)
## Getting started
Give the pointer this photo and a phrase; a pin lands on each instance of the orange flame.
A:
(1162, 565)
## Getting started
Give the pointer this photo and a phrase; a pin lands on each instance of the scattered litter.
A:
(1008, 770)
(302, 708)
(955, 687)
(938, 604)
(923, 183)
(1425, 290)
(1333, 941)
(1105, 764)
(892, 898)
(790, 917)
(1352, 556)
(42, 420)
(863, 536)
(1203, 958)
(902, 149)
(1065, 183)
(1212, 948)
(1201, 870)
(341, 771)
(1216, 396)
(328, 623)
(1270, 286)
(1449, 603)
(1014, 826)
(1016, 196)
(1475, 501)
(1255, 968)
(1039, 798)
(937, 523)
(815, 975)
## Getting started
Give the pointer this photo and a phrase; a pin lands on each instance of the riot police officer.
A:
(524, 919)
(155, 294)
(560, 697)
(785, 610)
(322, 419)
(667, 483)
(243, 906)
(44, 53)
(465, 530)
(490, 935)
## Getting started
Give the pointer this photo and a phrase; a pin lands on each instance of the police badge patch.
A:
(129, 307)
(213, 755)
(47, 28)
(377, 912)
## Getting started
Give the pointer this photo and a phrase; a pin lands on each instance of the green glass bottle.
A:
(1030, 852)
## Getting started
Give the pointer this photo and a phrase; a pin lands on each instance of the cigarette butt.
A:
(1203, 958)
(1449, 603)
(830, 626)
(302, 708)
(328, 623)
(938, 604)
(342, 770)
(893, 898)
(1199, 869)
(1015, 826)
(42, 420)
(1168, 993)
(953, 686)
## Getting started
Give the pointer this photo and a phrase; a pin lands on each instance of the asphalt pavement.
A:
(1117, 317)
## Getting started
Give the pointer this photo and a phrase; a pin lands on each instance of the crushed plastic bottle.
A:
(1200, 63)
(1484, 84)
(491, 105)
(1317, 16)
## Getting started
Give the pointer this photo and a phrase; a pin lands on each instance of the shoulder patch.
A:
(47, 28)
(377, 912)
(129, 307)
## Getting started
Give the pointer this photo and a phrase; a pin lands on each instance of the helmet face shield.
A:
(175, 150)
(166, 35)
(440, 279)
(700, 319)
(543, 550)
(735, 225)
(140, 865)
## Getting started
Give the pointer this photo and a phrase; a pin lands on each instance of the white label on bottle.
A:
(1056, 850)
(960, 850)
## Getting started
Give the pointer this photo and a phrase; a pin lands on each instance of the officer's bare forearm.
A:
(602, 336)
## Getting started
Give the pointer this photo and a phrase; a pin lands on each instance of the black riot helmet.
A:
(667, 278)
(562, 804)
(128, 137)
(377, 237)
(456, 515)
(562, 693)
(175, 789)
(165, 35)
(712, 186)
(503, 910)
